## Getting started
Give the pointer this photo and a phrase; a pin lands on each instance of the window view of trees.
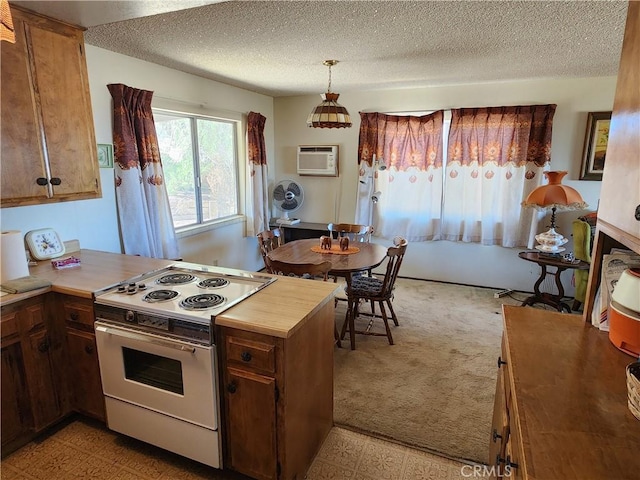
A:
(200, 165)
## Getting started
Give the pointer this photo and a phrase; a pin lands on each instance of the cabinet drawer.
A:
(257, 355)
(79, 312)
(9, 325)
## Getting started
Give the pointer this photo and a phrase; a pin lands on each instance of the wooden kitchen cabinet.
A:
(31, 395)
(16, 410)
(277, 397)
(49, 153)
(561, 402)
(83, 370)
(619, 207)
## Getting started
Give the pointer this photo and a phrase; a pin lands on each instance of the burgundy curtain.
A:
(401, 141)
(255, 132)
(146, 225)
(501, 135)
(408, 190)
(257, 190)
(496, 158)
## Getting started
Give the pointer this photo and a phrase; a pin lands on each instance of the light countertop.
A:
(278, 310)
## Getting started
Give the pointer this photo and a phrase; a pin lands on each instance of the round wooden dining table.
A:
(369, 256)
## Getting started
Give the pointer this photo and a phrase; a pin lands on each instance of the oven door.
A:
(164, 375)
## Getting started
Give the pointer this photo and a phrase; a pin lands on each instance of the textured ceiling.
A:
(277, 47)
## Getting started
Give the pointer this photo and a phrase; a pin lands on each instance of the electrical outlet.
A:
(214, 263)
(502, 293)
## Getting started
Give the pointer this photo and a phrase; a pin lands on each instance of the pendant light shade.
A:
(329, 114)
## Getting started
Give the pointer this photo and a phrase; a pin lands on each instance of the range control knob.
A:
(130, 316)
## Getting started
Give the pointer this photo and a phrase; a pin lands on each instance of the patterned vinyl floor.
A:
(85, 450)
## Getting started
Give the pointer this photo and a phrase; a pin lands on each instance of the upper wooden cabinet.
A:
(49, 152)
(620, 194)
(619, 206)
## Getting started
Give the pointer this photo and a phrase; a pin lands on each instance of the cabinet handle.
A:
(232, 387)
(88, 349)
(55, 181)
(638, 213)
(511, 464)
(43, 346)
(506, 461)
(496, 435)
(42, 181)
(501, 362)
(245, 356)
(74, 316)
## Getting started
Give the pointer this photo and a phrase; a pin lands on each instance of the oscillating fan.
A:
(287, 197)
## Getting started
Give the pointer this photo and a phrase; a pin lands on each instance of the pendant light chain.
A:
(329, 87)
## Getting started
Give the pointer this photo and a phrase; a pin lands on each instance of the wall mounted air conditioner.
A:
(318, 160)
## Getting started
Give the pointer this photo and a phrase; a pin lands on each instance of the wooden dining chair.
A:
(267, 241)
(374, 290)
(312, 271)
(354, 232)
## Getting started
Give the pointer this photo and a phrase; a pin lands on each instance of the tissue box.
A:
(69, 262)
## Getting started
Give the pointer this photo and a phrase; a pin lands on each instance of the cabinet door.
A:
(42, 378)
(48, 142)
(499, 425)
(61, 75)
(42, 384)
(620, 195)
(23, 159)
(251, 417)
(16, 415)
(84, 372)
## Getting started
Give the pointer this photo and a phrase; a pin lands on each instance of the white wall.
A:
(445, 261)
(94, 222)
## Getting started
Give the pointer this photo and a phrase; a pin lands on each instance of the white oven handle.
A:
(144, 338)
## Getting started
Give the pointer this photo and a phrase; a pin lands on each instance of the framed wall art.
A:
(105, 155)
(595, 145)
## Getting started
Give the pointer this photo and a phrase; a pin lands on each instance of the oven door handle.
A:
(144, 338)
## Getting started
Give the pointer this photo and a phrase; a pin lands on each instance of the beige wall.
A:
(330, 199)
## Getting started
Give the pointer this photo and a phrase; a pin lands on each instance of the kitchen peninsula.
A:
(276, 402)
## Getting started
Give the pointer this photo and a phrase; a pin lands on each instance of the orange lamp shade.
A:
(555, 194)
(7, 31)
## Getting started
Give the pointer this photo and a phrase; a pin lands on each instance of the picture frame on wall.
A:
(105, 155)
(595, 145)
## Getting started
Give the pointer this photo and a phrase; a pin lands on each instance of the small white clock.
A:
(44, 243)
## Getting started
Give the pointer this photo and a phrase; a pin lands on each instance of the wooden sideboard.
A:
(561, 401)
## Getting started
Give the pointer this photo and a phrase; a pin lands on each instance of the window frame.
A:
(192, 112)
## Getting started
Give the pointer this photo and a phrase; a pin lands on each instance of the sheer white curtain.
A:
(257, 190)
(496, 158)
(400, 161)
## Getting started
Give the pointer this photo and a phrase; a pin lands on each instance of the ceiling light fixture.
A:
(329, 114)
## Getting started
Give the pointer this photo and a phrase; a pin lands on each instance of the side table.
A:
(554, 300)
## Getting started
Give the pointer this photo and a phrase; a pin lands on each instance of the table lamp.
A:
(554, 196)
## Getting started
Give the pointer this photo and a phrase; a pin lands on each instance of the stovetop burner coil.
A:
(202, 301)
(176, 279)
(215, 282)
(155, 296)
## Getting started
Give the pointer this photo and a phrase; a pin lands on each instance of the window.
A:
(200, 161)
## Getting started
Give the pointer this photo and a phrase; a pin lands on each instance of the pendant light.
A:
(329, 114)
